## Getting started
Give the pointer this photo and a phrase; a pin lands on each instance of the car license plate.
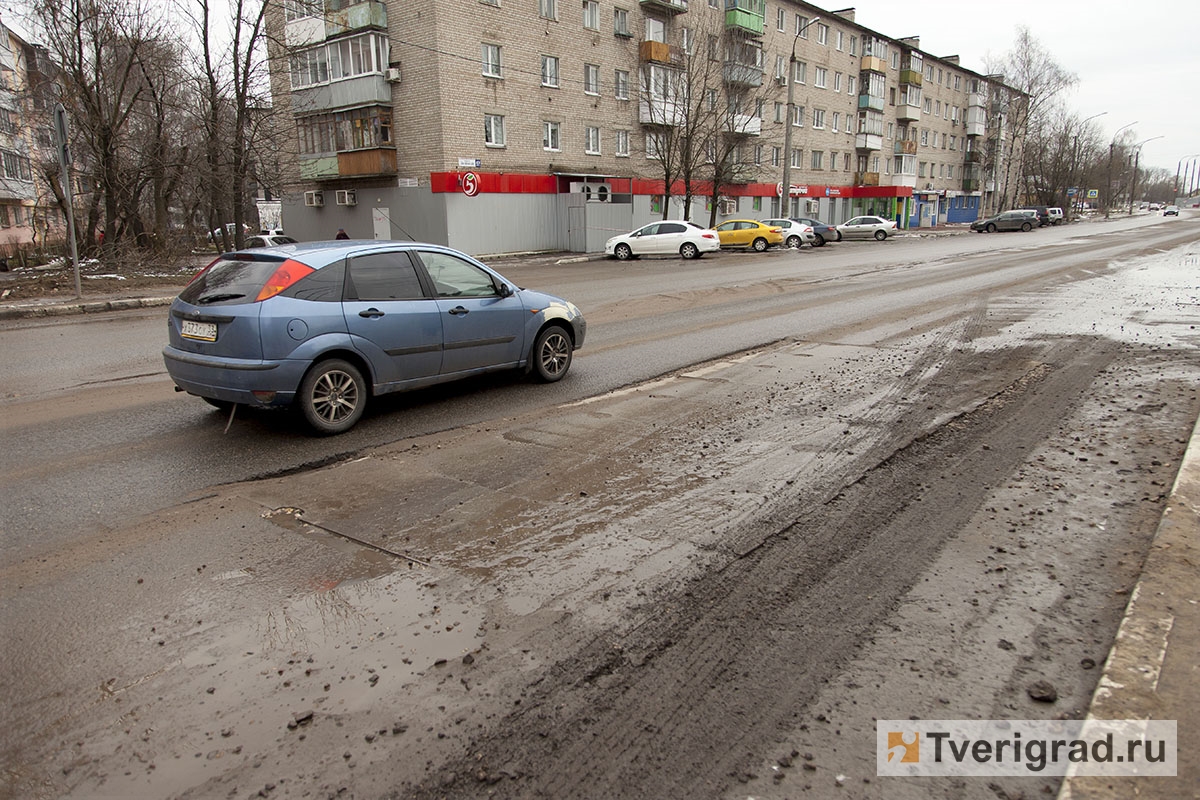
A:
(206, 331)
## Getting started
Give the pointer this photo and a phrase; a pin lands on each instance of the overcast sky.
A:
(1139, 62)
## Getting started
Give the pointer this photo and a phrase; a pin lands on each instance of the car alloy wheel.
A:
(689, 250)
(332, 396)
(623, 252)
(760, 244)
(552, 354)
(880, 235)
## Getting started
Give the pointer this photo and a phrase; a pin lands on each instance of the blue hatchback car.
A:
(326, 325)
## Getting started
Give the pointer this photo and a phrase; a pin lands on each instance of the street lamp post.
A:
(1137, 156)
(1108, 190)
(785, 193)
(1175, 190)
(1075, 164)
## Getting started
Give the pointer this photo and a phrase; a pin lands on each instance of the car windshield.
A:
(230, 281)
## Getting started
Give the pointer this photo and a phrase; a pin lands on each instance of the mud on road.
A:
(706, 586)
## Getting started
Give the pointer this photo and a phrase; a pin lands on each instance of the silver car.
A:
(668, 237)
(867, 227)
(794, 233)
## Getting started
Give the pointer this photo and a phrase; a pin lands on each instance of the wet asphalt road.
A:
(608, 567)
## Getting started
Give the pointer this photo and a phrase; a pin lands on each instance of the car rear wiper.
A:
(216, 298)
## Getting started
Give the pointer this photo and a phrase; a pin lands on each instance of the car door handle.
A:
(371, 313)
(459, 311)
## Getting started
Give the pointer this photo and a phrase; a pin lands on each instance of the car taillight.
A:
(287, 274)
(776, 230)
(708, 236)
(201, 272)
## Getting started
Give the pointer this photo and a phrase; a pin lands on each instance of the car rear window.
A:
(230, 281)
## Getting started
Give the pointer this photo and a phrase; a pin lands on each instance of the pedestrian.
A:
(341, 234)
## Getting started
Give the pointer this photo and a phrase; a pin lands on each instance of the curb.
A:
(30, 310)
(1152, 670)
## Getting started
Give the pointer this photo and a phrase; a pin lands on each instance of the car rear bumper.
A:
(235, 380)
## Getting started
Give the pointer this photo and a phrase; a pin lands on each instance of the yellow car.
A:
(749, 233)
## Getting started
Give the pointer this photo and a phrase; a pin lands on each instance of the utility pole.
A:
(1175, 191)
(1137, 156)
(785, 192)
(1108, 190)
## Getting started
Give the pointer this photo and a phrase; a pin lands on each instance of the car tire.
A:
(623, 252)
(760, 244)
(839, 233)
(820, 241)
(989, 228)
(880, 235)
(1026, 227)
(794, 242)
(551, 354)
(689, 250)
(332, 396)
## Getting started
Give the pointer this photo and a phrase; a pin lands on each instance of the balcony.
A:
(312, 169)
(874, 64)
(866, 179)
(868, 101)
(904, 180)
(363, 90)
(907, 113)
(910, 76)
(970, 184)
(976, 100)
(746, 16)
(660, 52)
(367, 163)
(743, 74)
(976, 128)
(744, 125)
(660, 111)
(868, 141)
(665, 6)
(905, 148)
(973, 157)
(359, 16)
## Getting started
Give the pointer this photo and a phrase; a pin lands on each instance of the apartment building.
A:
(29, 214)
(522, 125)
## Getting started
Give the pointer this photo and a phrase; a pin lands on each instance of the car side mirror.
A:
(505, 290)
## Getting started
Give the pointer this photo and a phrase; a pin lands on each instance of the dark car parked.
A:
(824, 233)
(326, 326)
(1043, 214)
(1020, 220)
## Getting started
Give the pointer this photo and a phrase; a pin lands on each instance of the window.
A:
(850, 82)
(780, 19)
(957, 82)
(357, 55)
(924, 137)
(552, 136)
(368, 127)
(895, 59)
(453, 277)
(929, 76)
(937, 108)
(621, 84)
(384, 276)
(493, 130)
(299, 9)
(653, 144)
(591, 15)
(710, 98)
(840, 40)
(953, 140)
(837, 117)
(591, 79)
(853, 45)
(621, 22)
(797, 157)
(801, 30)
(798, 116)
(550, 71)
(921, 170)
(591, 143)
(758, 107)
(548, 9)
(818, 118)
(17, 167)
(891, 130)
(309, 67)
(779, 112)
(774, 156)
(758, 153)
(837, 81)
(656, 30)
(846, 162)
(928, 105)
(822, 33)
(817, 159)
(821, 77)
(780, 69)
(492, 65)
(622, 146)
(799, 72)
(686, 39)
(940, 73)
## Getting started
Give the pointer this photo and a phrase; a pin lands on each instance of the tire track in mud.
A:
(717, 671)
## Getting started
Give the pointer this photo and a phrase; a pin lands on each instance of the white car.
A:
(794, 233)
(664, 238)
(867, 227)
(268, 240)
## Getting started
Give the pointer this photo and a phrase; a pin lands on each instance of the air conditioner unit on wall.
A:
(727, 206)
(314, 199)
(347, 197)
(781, 80)
(814, 206)
(393, 74)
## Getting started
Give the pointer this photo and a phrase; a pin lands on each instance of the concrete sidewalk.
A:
(1153, 669)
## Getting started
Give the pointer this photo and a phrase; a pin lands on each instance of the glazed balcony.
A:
(971, 184)
(371, 14)
(973, 157)
(367, 163)
(742, 74)
(874, 64)
(910, 76)
(868, 141)
(744, 125)
(866, 179)
(907, 113)
(747, 16)
(660, 111)
(866, 101)
(905, 148)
